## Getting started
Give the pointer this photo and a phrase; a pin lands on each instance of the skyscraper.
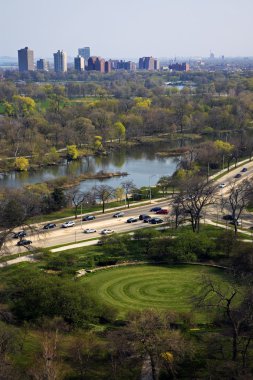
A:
(147, 63)
(25, 60)
(85, 53)
(42, 64)
(60, 61)
(96, 63)
(79, 63)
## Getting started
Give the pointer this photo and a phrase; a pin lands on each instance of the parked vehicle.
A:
(88, 217)
(162, 211)
(119, 214)
(132, 220)
(19, 234)
(24, 242)
(89, 231)
(244, 170)
(227, 217)
(106, 231)
(70, 223)
(238, 175)
(48, 226)
(155, 220)
(156, 208)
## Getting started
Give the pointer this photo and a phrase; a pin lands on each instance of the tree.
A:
(119, 193)
(128, 186)
(23, 105)
(16, 209)
(195, 195)
(72, 152)
(239, 195)
(78, 197)
(22, 164)
(119, 130)
(103, 193)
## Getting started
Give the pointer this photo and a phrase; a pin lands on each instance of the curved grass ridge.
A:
(143, 287)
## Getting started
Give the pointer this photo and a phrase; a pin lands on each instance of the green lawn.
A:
(149, 286)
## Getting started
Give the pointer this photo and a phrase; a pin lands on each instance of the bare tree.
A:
(103, 193)
(239, 194)
(79, 198)
(195, 195)
(128, 186)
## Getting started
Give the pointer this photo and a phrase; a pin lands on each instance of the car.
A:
(119, 214)
(132, 220)
(155, 220)
(19, 234)
(24, 242)
(244, 170)
(221, 186)
(156, 208)
(227, 217)
(89, 231)
(88, 217)
(147, 219)
(48, 226)
(162, 211)
(106, 231)
(143, 216)
(70, 223)
(238, 175)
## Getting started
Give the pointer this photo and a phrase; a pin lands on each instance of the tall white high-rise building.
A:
(60, 61)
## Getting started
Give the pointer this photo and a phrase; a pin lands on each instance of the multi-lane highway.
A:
(61, 236)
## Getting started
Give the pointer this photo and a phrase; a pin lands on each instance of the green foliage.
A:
(119, 130)
(21, 164)
(23, 105)
(72, 152)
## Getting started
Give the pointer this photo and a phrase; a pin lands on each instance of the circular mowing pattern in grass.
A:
(146, 286)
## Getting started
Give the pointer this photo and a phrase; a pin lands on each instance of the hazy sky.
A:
(128, 28)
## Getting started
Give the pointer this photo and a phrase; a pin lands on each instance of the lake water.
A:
(140, 162)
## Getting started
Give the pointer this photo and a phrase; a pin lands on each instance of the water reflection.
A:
(139, 161)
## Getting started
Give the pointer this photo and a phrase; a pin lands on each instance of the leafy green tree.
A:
(23, 105)
(21, 164)
(119, 130)
(72, 152)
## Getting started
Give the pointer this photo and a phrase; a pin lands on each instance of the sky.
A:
(128, 28)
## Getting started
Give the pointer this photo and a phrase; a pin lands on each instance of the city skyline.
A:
(165, 28)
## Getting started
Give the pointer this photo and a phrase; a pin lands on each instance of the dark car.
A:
(155, 220)
(143, 216)
(88, 217)
(132, 220)
(162, 211)
(147, 219)
(19, 234)
(24, 242)
(227, 217)
(238, 175)
(48, 226)
(119, 214)
(155, 209)
(244, 170)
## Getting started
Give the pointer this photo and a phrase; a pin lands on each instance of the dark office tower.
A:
(147, 63)
(141, 63)
(79, 63)
(156, 64)
(108, 66)
(25, 60)
(91, 63)
(85, 53)
(42, 64)
(60, 62)
(100, 65)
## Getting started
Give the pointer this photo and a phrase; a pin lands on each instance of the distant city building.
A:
(124, 65)
(108, 66)
(79, 63)
(157, 64)
(60, 61)
(96, 64)
(42, 64)
(148, 63)
(85, 53)
(180, 66)
(25, 60)
(212, 56)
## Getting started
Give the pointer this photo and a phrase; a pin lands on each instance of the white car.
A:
(106, 231)
(89, 231)
(70, 223)
(222, 185)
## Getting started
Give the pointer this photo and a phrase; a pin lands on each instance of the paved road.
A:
(61, 236)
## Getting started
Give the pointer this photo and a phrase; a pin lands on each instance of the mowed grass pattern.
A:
(146, 286)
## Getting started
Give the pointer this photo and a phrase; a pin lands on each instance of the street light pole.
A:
(149, 178)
